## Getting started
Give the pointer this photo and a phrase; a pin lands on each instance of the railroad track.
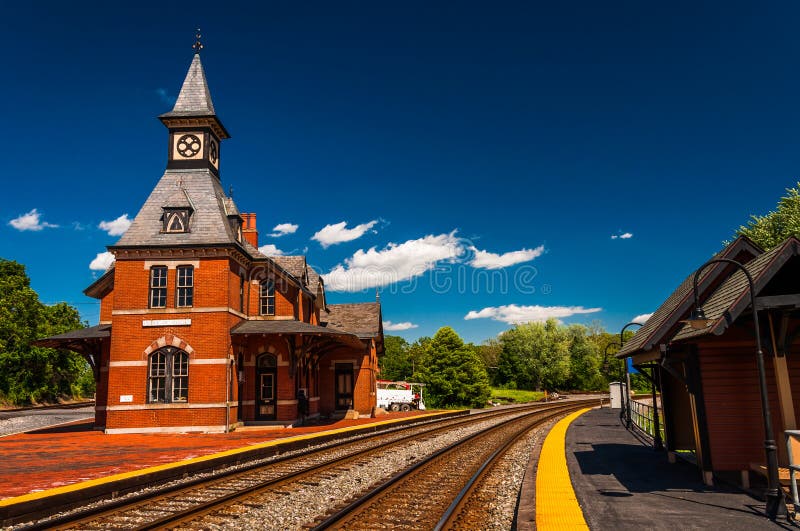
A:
(444, 490)
(240, 491)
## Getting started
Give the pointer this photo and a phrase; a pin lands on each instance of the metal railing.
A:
(642, 417)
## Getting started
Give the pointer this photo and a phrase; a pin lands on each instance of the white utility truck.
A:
(400, 396)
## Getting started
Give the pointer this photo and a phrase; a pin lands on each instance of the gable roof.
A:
(732, 297)
(294, 265)
(665, 319)
(100, 287)
(363, 319)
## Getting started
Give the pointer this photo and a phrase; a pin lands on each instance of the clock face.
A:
(212, 153)
(188, 146)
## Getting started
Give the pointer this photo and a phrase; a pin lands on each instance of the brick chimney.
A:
(249, 229)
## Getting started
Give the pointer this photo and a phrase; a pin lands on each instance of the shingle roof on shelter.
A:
(287, 326)
(680, 301)
(732, 297)
(363, 319)
(61, 340)
(194, 98)
(284, 326)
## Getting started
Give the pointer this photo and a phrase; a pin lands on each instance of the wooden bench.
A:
(793, 451)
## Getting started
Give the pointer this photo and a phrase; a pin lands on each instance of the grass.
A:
(515, 396)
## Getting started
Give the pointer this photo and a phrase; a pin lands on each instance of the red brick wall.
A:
(106, 305)
(365, 369)
(216, 289)
(207, 338)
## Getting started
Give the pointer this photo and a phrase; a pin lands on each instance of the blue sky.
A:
(451, 133)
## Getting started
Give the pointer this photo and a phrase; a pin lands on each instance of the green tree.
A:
(453, 372)
(489, 352)
(607, 346)
(27, 373)
(585, 361)
(396, 363)
(773, 228)
(540, 354)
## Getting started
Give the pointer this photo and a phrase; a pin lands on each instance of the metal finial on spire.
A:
(377, 295)
(197, 46)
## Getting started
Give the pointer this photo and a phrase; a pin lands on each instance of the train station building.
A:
(199, 330)
(708, 374)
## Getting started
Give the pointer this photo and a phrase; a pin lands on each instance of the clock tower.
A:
(195, 131)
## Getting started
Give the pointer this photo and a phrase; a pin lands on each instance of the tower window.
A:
(267, 297)
(158, 287)
(184, 292)
(168, 376)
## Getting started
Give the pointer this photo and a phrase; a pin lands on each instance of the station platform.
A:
(53, 460)
(620, 483)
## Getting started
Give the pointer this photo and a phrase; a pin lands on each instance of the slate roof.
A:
(294, 265)
(194, 98)
(363, 319)
(679, 303)
(732, 297)
(314, 280)
(208, 223)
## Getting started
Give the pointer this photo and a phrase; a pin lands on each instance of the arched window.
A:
(267, 297)
(267, 361)
(168, 376)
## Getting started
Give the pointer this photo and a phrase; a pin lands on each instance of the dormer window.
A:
(175, 220)
(236, 227)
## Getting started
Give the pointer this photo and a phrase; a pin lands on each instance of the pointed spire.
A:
(194, 98)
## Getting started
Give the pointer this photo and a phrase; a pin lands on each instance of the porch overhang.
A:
(322, 334)
(84, 341)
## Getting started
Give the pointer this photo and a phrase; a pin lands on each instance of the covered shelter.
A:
(709, 378)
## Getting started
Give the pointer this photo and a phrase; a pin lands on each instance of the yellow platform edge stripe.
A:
(142, 471)
(557, 506)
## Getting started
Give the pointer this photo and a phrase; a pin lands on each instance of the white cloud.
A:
(623, 236)
(394, 263)
(270, 250)
(487, 260)
(102, 261)
(390, 326)
(642, 318)
(282, 229)
(30, 221)
(116, 227)
(338, 233)
(513, 314)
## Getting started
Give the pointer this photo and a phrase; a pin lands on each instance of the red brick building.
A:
(199, 331)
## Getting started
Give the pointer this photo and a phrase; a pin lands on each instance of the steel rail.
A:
(471, 485)
(369, 497)
(78, 518)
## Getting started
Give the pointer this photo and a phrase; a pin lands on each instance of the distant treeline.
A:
(532, 356)
(31, 374)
